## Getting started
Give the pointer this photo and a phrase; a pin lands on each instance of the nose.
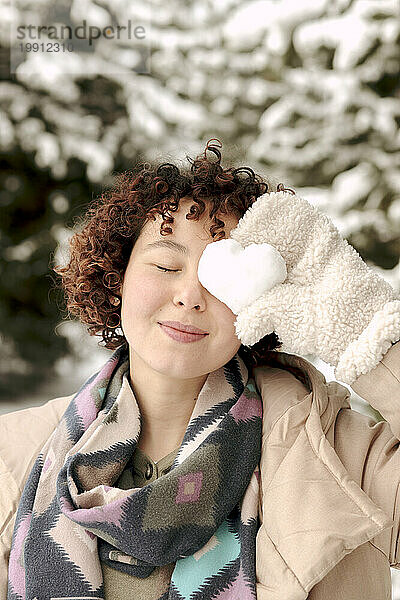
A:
(197, 306)
(191, 294)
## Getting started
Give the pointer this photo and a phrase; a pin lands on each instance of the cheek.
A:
(227, 319)
(141, 295)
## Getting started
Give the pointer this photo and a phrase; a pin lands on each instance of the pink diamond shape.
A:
(189, 487)
(47, 464)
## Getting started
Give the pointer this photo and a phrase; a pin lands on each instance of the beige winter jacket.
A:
(330, 495)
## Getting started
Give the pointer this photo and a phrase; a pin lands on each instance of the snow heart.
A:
(238, 276)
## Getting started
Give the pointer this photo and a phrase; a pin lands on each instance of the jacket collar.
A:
(313, 513)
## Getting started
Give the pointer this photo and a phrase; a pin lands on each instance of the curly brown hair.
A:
(100, 251)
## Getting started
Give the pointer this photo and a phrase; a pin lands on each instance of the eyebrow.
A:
(167, 244)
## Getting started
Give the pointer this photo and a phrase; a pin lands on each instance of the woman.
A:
(193, 465)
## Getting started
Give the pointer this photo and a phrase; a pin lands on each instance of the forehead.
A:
(185, 232)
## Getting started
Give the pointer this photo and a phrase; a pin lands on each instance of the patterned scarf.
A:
(202, 515)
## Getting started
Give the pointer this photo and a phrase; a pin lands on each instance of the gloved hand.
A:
(329, 303)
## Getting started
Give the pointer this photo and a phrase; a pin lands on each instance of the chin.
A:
(178, 369)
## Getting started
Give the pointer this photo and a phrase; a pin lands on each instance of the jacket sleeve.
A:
(378, 450)
(22, 435)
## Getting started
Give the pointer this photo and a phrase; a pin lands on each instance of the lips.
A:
(183, 327)
(182, 336)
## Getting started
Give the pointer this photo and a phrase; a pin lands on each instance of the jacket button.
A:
(149, 471)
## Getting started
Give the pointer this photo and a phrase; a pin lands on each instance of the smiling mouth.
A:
(182, 336)
(181, 327)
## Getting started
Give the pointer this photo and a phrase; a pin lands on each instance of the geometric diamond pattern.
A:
(223, 549)
(57, 531)
(189, 487)
(71, 538)
(180, 499)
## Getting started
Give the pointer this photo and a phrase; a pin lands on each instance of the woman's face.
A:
(150, 295)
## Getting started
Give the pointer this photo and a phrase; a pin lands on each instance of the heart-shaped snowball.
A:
(239, 275)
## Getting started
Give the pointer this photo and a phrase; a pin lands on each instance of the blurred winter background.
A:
(306, 92)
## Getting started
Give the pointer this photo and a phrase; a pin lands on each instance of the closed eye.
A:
(166, 270)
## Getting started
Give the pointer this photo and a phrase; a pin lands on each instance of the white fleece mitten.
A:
(327, 302)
